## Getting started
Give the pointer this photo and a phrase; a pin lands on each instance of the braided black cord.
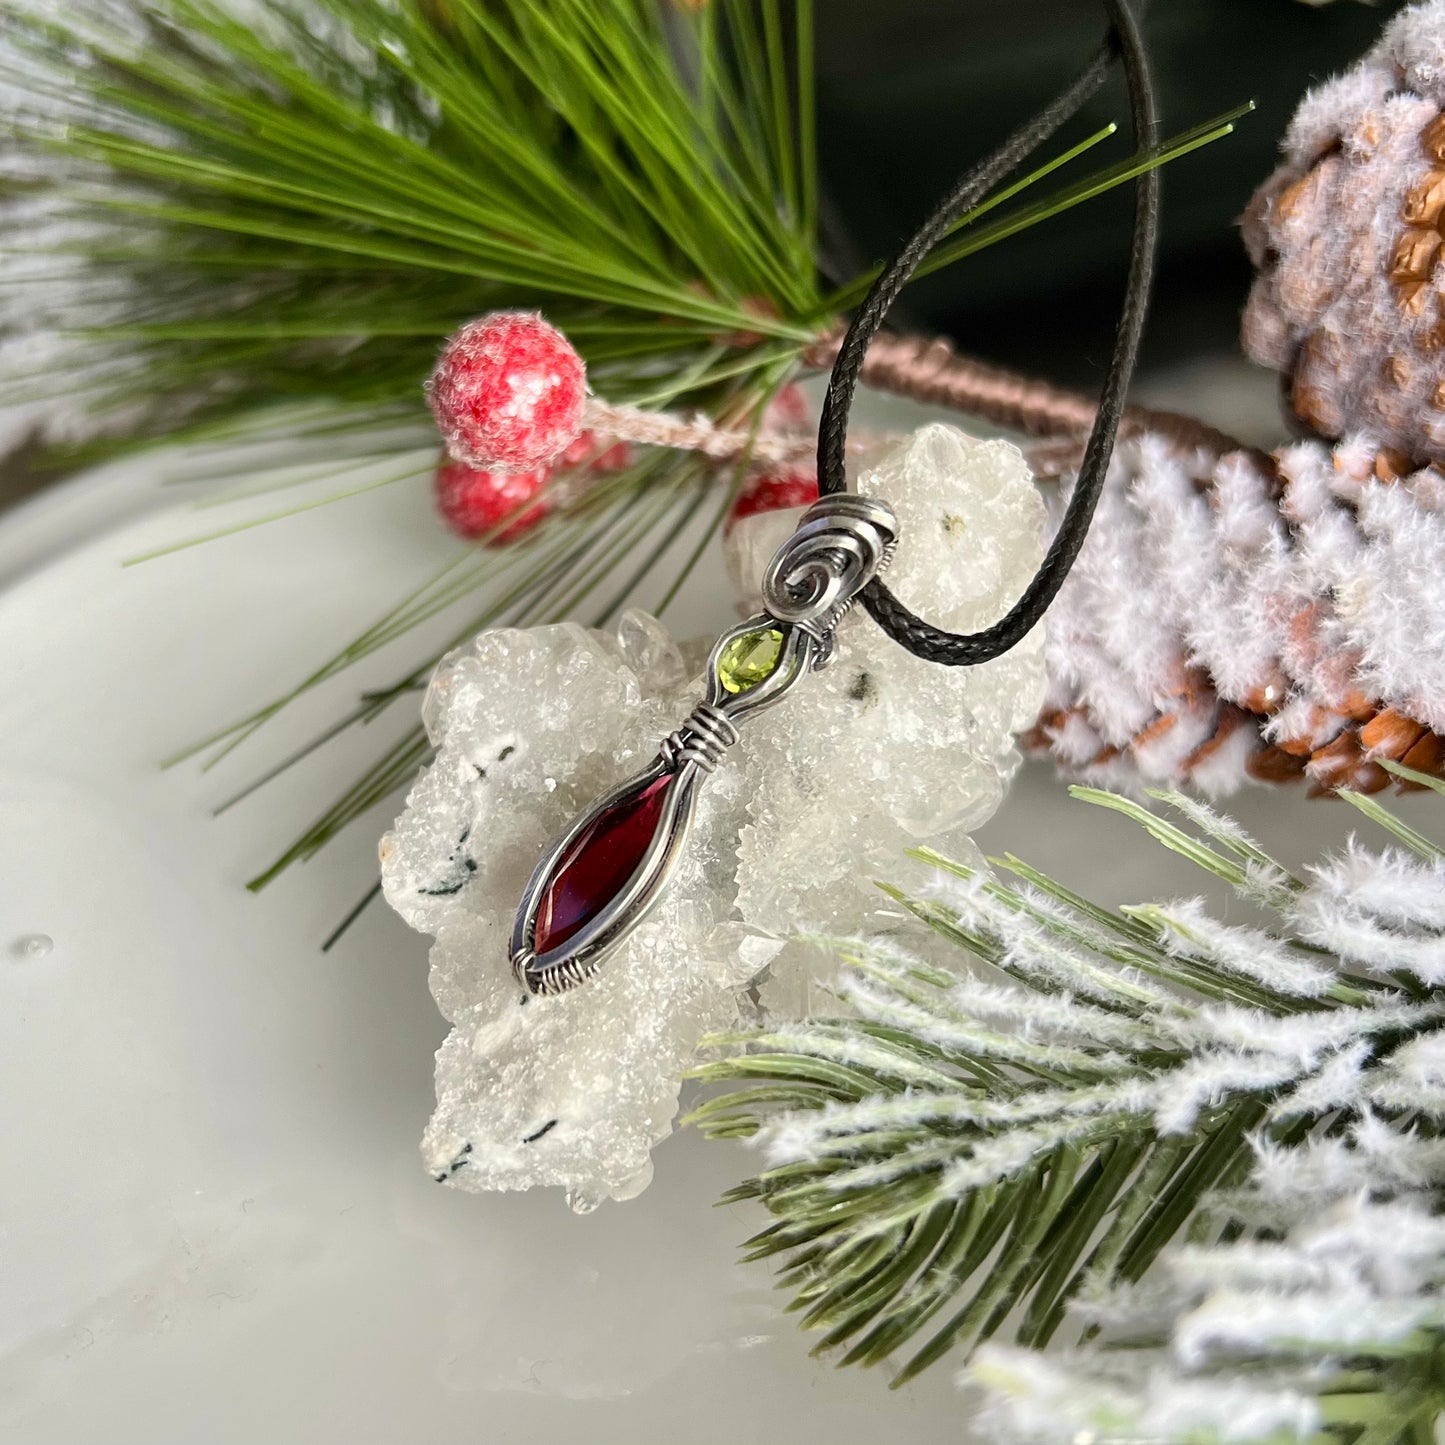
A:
(912, 632)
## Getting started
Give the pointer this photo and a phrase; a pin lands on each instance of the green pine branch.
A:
(1001, 1133)
(266, 229)
(308, 205)
(304, 207)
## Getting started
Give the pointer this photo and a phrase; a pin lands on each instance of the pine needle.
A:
(285, 216)
(1058, 1131)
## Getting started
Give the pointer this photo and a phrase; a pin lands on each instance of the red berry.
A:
(474, 502)
(771, 493)
(590, 450)
(788, 410)
(508, 392)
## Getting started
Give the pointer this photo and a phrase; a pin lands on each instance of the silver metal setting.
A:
(702, 739)
(841, 543)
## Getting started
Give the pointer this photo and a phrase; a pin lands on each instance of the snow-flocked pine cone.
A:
(1347, 238)
(1240, 616)
(1244, 617)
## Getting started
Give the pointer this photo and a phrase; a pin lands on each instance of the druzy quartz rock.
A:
(819, 796)
(530, 729)
(883, 751)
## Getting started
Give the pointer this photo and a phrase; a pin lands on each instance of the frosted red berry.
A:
(475, 502)
(788, 410)
(592, 451)
(508, 392)
(770, 492)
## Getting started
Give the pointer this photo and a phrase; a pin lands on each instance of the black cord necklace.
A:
(912, 632)
(598, 880)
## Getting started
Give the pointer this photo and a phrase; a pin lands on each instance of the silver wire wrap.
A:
(842, 542)
(702, 739)
(557, 979)
(522, 961)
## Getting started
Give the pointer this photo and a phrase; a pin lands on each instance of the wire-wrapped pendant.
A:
(596, 882)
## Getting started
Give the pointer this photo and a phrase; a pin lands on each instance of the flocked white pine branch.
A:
(1203, 1162)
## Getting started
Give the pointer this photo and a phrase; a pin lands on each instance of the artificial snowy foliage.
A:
(1247, 617)
(1346, 235)
(1241, 616)
(1324, 1312)
(1200, 1160)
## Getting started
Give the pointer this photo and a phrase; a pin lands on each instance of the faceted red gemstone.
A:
(597, 864)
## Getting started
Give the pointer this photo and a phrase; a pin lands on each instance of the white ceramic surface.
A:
(214, 1224)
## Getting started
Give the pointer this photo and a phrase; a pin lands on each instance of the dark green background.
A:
(911, 91)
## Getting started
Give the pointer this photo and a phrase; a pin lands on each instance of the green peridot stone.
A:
(748, 660)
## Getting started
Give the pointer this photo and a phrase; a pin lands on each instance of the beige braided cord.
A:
(929, 370)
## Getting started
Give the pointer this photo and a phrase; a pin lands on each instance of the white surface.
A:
(215, 1221)
(214, 1224)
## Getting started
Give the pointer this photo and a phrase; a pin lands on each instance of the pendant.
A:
(598, 880)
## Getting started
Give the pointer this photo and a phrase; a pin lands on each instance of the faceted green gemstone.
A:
(748, 660)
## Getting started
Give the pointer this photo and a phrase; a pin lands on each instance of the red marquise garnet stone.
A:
(599, 862)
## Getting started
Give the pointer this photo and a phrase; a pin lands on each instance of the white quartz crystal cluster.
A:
(882, 750)
(878, 752)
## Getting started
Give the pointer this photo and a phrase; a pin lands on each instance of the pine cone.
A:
(1244, 617)
(1347, 239)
